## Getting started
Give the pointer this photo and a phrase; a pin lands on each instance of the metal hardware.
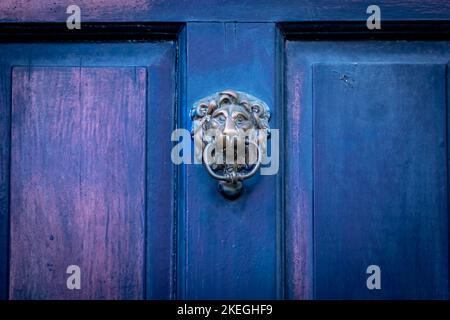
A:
(234, 124)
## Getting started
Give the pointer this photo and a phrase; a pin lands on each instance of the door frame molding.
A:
(435, 30)
(90, 31)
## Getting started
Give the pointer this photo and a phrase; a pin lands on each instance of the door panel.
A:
(78, 182)
(229, 249)
(371, 116)
(380, 180)
(88, 188)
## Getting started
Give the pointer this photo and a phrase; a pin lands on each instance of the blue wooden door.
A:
(357, 207)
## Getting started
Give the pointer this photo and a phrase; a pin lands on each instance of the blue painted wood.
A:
(182, 121)
(230, 247)
(448, 166)
(300, 57)
(380, 187)
(159, 58)
(223, 10)
(160, 244)
(299, 180)
(239, 55)
(5, 111)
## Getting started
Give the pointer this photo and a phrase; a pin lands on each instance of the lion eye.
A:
(220, 118)
(240, 119)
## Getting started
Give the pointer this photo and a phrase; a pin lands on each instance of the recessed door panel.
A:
(380, 194)
(367, 177)
(78, 182)
(90, 198)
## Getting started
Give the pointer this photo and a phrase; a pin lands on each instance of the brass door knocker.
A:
(230, 130)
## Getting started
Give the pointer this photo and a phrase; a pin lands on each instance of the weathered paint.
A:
(78, 182)
(159, 59)
(380, 185)
(222, 10)
(380, 194)
(5, 138)
(230, 247)
(299, 248)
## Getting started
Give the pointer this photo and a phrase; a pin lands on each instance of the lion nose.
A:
(230, 129)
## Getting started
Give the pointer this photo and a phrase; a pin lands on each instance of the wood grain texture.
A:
(300, 57)
(229, 248)
(448, 169)
(161, 256)
(299, 186)
(380, 180)
(222, 10)
(5, 111)
(159, 58)
(78, 182)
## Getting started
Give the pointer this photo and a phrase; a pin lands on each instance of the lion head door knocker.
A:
(230, 130)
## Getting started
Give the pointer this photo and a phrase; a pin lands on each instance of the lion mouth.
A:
(235, 152)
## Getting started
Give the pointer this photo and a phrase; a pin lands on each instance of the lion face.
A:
(229, 116)
(230, 122)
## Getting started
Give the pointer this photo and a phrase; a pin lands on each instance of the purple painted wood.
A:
(299, 202)
(222, 10)
(78, 182)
